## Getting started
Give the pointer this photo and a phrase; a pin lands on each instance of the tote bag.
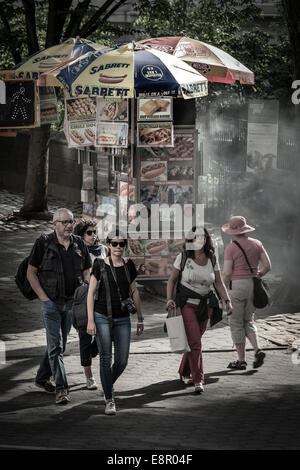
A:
(176, 332)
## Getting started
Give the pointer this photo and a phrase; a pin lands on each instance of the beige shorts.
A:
(241, 320)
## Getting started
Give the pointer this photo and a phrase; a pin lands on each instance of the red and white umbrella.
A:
(214, 63)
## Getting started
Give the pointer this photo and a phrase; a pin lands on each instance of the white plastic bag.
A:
(176, 332)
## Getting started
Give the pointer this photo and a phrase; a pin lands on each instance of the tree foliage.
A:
(231, 26)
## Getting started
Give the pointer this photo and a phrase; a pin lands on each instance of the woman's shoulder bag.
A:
(261, 289)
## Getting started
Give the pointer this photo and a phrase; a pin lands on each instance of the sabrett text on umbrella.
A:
(107, 66)
(192, 88)
(101, 91)
(29, 75)
(46, 57)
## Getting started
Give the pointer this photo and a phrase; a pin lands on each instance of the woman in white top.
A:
(196, 298)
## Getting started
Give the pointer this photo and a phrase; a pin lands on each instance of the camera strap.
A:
(108, 295)
(114, 274)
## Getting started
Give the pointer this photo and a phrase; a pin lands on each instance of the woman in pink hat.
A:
(238, 274)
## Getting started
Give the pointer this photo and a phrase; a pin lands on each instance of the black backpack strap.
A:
(236, 243)
(182, 265)
(213, 261)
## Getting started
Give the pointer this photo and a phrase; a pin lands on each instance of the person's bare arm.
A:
(35, 283)
(170, 287)
(91, 327)
(227, 270)
(221, 288)
(265, 263)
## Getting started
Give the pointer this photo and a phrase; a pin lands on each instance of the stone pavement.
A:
(252, 409)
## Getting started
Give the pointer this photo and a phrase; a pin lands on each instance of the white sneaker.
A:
(62, 397)
(110, 408)
(91, 384)
(199, 388)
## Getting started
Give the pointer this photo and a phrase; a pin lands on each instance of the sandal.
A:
(237, 365)
(259, 359)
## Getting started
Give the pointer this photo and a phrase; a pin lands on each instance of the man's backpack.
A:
(79, 315)
(22, 281)
(21, 277)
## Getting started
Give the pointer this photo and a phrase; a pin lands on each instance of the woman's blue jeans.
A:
(121, 331)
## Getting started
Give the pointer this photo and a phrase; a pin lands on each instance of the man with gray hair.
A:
(58, 263)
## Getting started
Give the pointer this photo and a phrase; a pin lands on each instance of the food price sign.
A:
(20, 109)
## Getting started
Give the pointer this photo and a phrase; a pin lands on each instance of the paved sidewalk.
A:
(252, 409)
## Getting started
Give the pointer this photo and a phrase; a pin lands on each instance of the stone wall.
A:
(65, 175)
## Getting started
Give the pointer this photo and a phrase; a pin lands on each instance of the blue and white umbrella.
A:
(32, 67)
(131, 70)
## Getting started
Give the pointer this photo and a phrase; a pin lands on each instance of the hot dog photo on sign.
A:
(155, 171)
(155, 247)
(81, 134)
(155, 135)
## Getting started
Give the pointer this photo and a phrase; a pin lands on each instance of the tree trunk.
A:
(36, 185)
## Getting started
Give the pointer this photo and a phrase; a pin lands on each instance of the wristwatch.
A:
(140, 319)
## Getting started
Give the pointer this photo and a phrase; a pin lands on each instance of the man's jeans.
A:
(121, 332)
(58, 324)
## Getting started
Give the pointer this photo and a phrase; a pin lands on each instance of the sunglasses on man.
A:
(91, 232)
(121, 244)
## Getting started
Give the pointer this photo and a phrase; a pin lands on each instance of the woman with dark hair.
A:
(110, 314)
(87, 230)
(195, 297)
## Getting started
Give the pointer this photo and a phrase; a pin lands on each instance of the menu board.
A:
(48, 105)
(80, 121)
(112, 109)
(20, 109)
(166, 176)
(112, 134)
(155, 134)
(81, 109)
(81, 133)
(155, 109)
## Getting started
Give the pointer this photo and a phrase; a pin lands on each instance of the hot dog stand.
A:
(115, 178)
(130, 111)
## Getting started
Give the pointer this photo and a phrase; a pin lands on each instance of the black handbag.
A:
(261, 289)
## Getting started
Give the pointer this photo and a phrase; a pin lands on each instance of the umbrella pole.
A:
(132, 135)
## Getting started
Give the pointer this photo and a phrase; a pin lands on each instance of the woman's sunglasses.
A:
(91, 232)
(121, 244)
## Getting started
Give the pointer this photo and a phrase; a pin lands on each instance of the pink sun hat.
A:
(237, 225)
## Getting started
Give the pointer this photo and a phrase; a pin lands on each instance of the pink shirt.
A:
(253, 249)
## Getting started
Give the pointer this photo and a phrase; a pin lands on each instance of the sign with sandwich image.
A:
(155, 134)
(155, 109)
(112, 134)
(48, 111)
(81, 133)
(112, 109)
(81, 109)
